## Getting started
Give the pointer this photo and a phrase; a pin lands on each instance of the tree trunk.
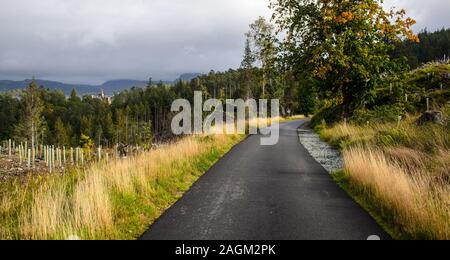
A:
(346, 104)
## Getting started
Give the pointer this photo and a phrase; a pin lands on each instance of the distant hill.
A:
(109, 87)
(188, 76)
(8, 85)
(121, 84)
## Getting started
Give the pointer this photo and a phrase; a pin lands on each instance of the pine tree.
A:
(249, 58)
(74, 95)
(60, 133)
(247, 65)
(109, 128)
(31, 121)
(146, 135)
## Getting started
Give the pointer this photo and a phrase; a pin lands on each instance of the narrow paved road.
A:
(266, 193)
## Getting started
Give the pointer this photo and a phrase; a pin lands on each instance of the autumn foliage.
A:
(345, 44)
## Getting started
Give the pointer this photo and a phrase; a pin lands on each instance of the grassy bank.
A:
(108, 201)
(291, 118)
(399, 173)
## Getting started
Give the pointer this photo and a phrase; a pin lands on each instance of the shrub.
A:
(392, 137)
(330, 114)
(446, 111)
(381, 114)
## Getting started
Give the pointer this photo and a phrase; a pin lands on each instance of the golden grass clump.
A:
(117, 200)
(417, 202)
(403, 170)
(92, 207)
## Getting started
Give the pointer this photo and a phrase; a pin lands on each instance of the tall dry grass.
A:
(427, 138)
(90, 206)
(416, 201)
(403, 170)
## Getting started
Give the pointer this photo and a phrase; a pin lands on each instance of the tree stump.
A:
(122, 149)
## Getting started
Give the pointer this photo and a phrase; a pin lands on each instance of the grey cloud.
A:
(94, 40)
(89, 41)
(430, 14)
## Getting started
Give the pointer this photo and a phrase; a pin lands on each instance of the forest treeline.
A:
(139, 115)
(134, 116)
(330, 57)
(432, 46)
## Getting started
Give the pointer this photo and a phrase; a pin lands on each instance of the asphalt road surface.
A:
(266, 193)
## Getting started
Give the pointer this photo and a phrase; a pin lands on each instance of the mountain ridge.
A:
(109, 87)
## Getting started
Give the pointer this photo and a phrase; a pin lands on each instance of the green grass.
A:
(134, 212)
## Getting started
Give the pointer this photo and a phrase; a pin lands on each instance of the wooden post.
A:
(99, 154)
(77, 155)
(33, 156)
(60, 157)
(399, 121)
(53, 157)
(64, 155)
(428, 104)
(406, 98)
(29, 158)
(50, 159)
(71, 155)
(50, 165)
(9, 148)
(46, 155)
(82, 157)
(20, 155)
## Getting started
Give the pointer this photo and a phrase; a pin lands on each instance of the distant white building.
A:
(103, 96)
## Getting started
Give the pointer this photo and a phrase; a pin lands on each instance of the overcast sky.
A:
(90, 41)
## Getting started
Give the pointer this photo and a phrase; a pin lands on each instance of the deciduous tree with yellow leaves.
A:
(343, 43)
